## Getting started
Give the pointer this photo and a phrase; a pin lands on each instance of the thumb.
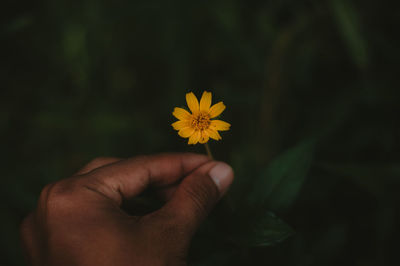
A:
(197, 195)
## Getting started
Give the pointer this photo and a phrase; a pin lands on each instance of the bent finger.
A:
(128, 178)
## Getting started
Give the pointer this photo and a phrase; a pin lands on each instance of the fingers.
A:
(128, 178)
(96, 163)
(197, 195)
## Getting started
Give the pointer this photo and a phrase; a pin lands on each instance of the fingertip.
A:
(222, 175)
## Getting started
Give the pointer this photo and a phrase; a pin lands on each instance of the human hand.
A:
(78, 220)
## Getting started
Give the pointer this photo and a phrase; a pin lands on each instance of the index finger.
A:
(128, 178)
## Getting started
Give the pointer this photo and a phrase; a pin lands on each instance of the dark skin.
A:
(79, 220)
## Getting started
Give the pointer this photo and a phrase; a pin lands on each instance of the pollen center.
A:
(201, 121)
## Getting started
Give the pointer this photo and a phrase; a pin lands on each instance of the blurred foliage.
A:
(311, 89)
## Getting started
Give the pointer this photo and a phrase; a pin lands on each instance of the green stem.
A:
(208, 151)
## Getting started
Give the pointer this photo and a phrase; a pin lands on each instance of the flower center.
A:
(201, 121)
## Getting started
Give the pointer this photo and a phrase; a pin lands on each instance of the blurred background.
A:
(311, 89)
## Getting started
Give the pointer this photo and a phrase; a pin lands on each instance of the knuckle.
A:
(57, 197)
(97, 162)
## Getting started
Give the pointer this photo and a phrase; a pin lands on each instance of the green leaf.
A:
(279, 184)
(258, 229)
(348, 23)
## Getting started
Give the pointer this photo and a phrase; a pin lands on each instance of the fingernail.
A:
(222, 175)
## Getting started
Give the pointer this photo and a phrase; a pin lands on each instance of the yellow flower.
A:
(197, 125)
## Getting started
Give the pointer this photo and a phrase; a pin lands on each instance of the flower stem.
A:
(208, 151)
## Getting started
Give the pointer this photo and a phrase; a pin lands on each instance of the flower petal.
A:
(181, 114)
(204, 137)
(180, 124)
(213, 134)
(219, 125)
(205, 101)
(194, 138)
(192, 102)
(217, 109)
(186, 132)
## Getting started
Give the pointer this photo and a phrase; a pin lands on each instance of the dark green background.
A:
(311, 89)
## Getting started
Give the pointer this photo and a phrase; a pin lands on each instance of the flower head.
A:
(198, 125)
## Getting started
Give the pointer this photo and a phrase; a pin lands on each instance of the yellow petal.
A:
(186, 132)
(192, 102)
(217, 109)
(205, 101)
(180, 124)
(213, 134)
(219, 125)
(195, 137)
(181, 114)
(204, 137)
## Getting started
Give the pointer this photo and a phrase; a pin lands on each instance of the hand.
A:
(78, 220)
